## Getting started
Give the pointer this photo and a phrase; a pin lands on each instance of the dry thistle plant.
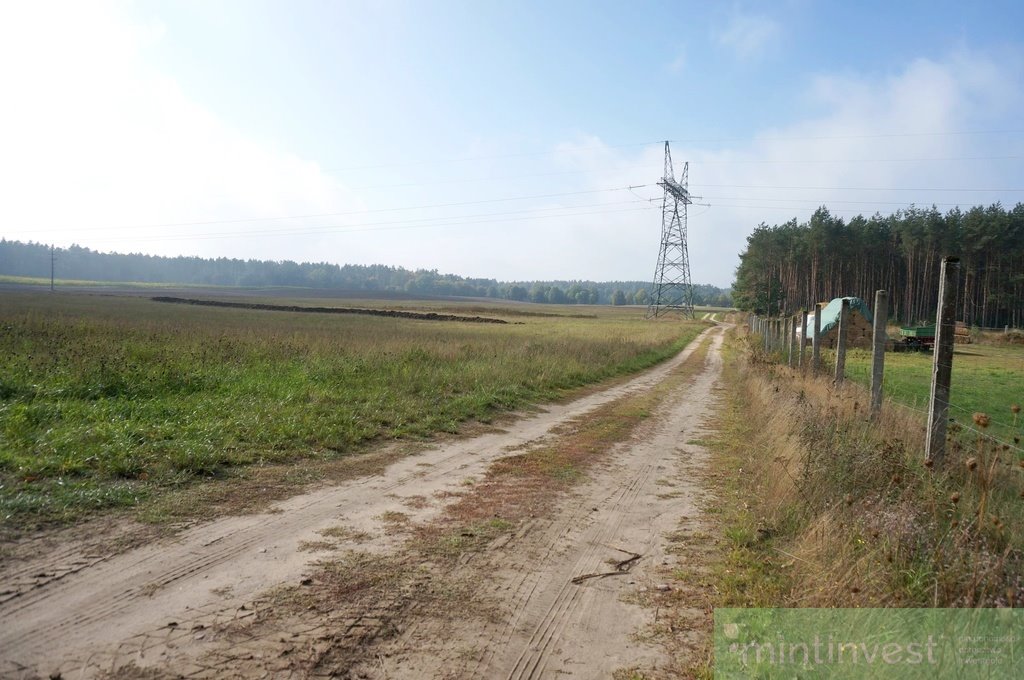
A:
(986, 473)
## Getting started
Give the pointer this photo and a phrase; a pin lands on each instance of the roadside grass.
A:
(986, 379)
(114, 401)
(822, 507)
(748, 572)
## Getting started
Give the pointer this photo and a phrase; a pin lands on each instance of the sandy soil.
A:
(181, 606)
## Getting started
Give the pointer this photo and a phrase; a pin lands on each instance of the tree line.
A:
(792, 266)
(78, 263)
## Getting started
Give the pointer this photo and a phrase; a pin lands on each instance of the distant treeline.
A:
(792, 266)
(33, 259)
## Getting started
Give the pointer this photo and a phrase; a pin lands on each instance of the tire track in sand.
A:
(549, 626)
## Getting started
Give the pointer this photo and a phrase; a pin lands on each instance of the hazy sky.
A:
(494, 139)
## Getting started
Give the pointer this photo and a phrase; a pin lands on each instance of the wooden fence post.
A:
(803, 338)
(942, 363)
(816, 339)
(844, 327)
(878, 350)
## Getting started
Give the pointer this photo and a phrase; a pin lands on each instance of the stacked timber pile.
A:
(962, 334)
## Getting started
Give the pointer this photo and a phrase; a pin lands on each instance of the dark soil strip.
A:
(424, 316)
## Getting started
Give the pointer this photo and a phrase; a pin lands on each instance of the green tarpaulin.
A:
(830, 314)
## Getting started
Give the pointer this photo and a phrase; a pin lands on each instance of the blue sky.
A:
(494, 139)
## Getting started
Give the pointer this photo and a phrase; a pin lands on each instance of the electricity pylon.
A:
(672, 290)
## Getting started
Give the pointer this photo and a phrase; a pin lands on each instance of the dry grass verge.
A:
(818, 506)
(821, 507)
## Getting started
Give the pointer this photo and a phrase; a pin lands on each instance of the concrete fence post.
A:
(844, 329)
(878, 350)
(785, 332)
(816, 339)
(803, 339)
(942, 362)
(790, 339)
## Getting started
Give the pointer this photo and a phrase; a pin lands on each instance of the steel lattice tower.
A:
(672, 290)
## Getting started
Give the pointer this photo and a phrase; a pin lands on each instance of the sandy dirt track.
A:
(160, 607)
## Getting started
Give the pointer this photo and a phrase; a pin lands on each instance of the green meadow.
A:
(986, 379)
(108, 400)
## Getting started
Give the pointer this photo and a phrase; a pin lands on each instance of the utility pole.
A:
(672, 290)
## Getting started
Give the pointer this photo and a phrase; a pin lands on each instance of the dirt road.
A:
(201, 604)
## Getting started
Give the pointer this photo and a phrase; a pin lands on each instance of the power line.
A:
(801, 138)
(467, 159)
(347, 229)
(369, 225)
(692, 140)
(633, 166)
(804, 188)
(794, 208)
(553, 195)
(855, 160)
(313, 228)
(818, 201)
(362, 212)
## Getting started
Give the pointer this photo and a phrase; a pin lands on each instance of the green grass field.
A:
(107, 400)
(987, 379)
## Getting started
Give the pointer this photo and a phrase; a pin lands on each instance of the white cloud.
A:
(93, 138)
(852, 158)
(748, 35)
